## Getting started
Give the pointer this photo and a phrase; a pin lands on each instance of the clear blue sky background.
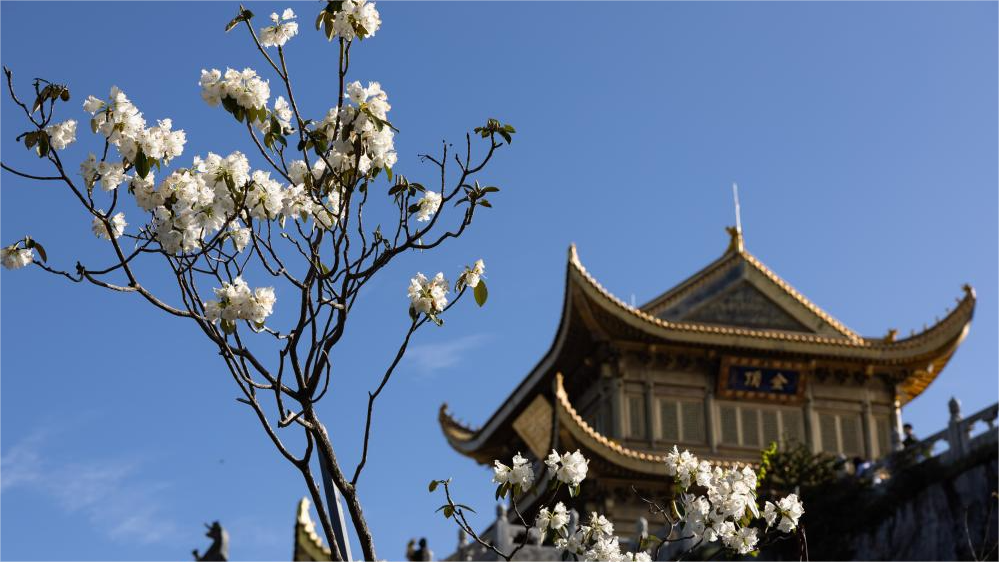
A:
(863, 137)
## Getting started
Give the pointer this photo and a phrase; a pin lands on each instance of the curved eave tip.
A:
(969, 291)
(573, 254)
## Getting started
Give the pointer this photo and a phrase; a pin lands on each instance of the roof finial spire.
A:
(735, 244)
(738, 212)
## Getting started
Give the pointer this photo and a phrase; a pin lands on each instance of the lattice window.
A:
(729, 425)
(669, 421)
(636, 417)
(681, 421)
(841, 433)
(692, 422)
(758, 426)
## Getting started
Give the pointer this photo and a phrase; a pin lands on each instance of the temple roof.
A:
(781, 321)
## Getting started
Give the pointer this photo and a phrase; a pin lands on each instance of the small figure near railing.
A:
(957, 436)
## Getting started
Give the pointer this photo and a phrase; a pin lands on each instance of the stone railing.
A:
(957, 436)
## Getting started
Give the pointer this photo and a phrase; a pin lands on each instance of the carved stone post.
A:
(957, 435)
(502, 529)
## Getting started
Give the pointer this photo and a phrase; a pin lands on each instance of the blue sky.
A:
(863, 138)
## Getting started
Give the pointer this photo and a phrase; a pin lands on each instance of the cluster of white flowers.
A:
(16, 258)
(729, 507)
(356, 18)
(122, 124)
(237, 302)
(118, 225)
(519, 477)
(282, 113)
(789, 509)
(240, 235)
(428, 206)
(473, 275)
(596, 541)
(569, 468)
(283, 29)
(365, 121)
(247, 89)
(62, 134)
(112, 174)
(428, 296)
(554, 519)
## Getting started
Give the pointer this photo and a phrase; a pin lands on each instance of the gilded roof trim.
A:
(306, 537)
(957, 320)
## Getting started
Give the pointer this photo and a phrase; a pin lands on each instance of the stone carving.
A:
(219, 549)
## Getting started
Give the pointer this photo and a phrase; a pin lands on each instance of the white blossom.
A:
(364, 118)
(428, 205)
(112, 175)
(120, 121)
(282, 29)
(519, 476)
(240, 236)
(237, 302)
(244, 87)
(554, 519)
(473, 275)
(569, 468)
(62, 134)
(88, 169)
(16, 258)
(789, 509)
(92, 104)
(428, 296)
(356, 18)
(682, 466)
(118, 225)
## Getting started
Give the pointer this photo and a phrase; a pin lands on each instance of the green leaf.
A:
(485, 203)
(228, 326)
(448, 512)
(465, 507)
(433, 485)
(573, 491)
(40, 249)
(481, 293)
(413, 314)
(141, 164)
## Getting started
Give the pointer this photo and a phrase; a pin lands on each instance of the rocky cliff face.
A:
(942, 521)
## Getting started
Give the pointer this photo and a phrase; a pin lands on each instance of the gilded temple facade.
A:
(726, 362)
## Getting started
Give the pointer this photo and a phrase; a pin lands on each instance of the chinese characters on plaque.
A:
(751, 379)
